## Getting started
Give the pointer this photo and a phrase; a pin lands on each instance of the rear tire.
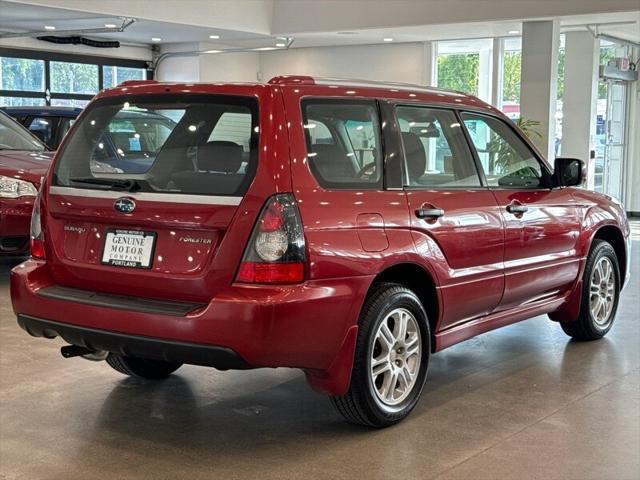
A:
(391, 359)
(142, 367)
(600, 294)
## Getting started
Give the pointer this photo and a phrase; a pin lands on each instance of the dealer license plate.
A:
(129, 248)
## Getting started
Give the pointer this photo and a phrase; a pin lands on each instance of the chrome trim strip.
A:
(147, 196)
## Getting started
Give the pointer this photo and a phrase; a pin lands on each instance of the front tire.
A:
(600, 294)
(391, 359)
(142, 367)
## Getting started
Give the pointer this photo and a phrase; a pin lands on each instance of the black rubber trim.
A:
(135, 346)
(119, 302)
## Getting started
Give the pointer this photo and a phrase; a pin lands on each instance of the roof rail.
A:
(346, 82)
(376, 84)
(133, 83)
(292, 79)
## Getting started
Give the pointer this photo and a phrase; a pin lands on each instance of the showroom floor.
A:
(521, 402)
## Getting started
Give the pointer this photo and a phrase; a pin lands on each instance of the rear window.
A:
(163, 143)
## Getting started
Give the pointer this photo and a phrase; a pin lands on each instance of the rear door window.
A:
(343, 143)
(174, 144)
(435, 148)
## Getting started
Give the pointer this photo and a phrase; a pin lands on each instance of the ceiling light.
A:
(281, 44)
(214, 37)
(513, 32)
(387, 39)
(110, 25)
(156, 39)
(49, 27)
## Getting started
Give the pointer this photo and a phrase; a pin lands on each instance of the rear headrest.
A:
(220, 156)
(416, 156)
(332, 162)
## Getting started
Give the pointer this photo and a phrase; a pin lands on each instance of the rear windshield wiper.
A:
(116, 183)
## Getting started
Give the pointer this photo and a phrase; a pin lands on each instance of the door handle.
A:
(517, 208)
(429, 212)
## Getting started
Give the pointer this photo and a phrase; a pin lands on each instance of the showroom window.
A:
(64, 80)
(465, 65)
(511, 77)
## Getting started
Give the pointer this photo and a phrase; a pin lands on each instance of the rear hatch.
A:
(145, 190)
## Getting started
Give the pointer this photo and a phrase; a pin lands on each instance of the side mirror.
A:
(569, 172)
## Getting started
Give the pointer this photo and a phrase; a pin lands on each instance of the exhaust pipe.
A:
(69, 351)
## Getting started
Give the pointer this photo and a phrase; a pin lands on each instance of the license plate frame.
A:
(128, 255)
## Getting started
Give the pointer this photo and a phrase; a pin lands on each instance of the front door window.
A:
(507, 161)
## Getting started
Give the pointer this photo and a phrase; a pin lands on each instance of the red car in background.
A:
(24, 160)
(349, 229)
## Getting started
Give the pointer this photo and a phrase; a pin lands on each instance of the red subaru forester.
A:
(347, 229)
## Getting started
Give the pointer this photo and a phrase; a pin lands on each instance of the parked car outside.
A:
(347, 229)
(23, 162)
(49, 124)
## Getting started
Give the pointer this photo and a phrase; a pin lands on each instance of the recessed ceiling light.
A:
(281, 44)
(387, 39)
(156, 39)
(110, 25)
(214, 37)
(513, 32)
(49, 27)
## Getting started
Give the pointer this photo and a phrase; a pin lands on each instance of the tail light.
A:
(37, 235)
(276, 250)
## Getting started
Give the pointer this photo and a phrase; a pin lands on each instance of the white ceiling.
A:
(23, 17)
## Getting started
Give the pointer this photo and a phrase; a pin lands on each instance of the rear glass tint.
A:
(163, 143)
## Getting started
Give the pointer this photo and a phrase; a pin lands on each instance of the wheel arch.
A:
(421, 282)
(613, 235)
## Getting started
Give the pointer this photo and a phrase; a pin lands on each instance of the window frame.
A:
(331, 186)
(456, 112)
(546, 180)
(49, 57)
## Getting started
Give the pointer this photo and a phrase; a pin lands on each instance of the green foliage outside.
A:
(512, 73)
(459, 72)
(74, 77)
(561, 63)
(21, 74)
(24, 74)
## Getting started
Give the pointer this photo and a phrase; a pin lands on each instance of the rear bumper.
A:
(302, 326)
(136, 346)
(15, 222)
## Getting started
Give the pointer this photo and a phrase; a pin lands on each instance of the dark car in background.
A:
(133, 140)
(24, 159)
(49, 124)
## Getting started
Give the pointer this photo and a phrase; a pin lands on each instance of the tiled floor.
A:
(518, 403)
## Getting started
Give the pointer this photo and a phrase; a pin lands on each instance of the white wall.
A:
(179, 69)
(230, 67)
(400, 62)
(406, 62)
(203, 67)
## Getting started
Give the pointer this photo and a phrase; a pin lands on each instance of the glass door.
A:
(610, 139)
